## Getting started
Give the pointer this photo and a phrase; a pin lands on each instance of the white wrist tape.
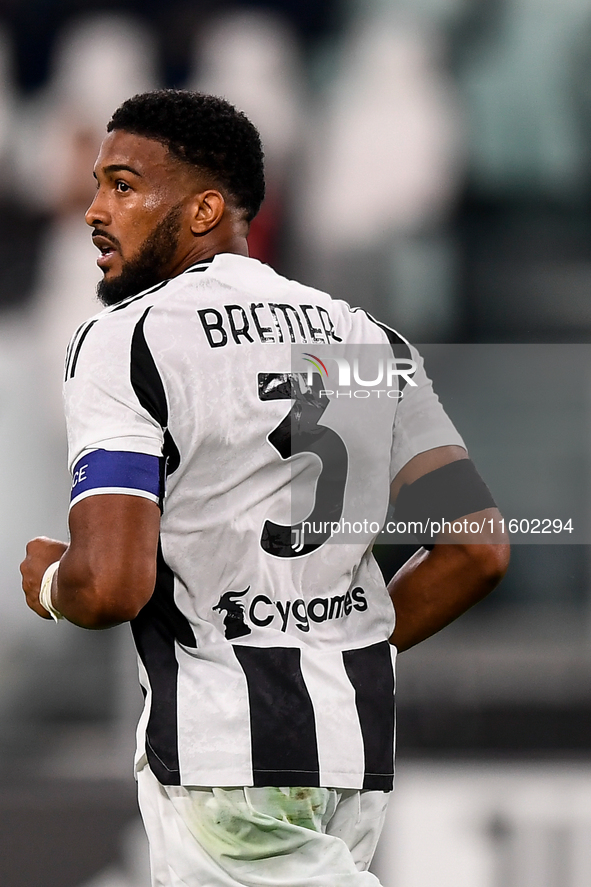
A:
(45, 592)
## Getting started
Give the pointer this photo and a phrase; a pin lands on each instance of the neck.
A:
(222, 239)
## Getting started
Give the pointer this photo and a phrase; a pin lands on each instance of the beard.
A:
(149, 266)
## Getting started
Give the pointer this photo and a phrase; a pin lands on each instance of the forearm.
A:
(108, 572)
(435, 587)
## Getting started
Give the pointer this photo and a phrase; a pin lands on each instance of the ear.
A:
(207, 211)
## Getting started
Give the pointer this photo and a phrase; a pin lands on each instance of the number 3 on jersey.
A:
(299, 432)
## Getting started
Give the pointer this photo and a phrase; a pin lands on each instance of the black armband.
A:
(445, 494)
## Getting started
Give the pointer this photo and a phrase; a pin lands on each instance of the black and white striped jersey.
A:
(267, 420)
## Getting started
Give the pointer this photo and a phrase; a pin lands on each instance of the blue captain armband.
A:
(115, 471)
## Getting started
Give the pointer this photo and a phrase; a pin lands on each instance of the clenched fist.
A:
(41, 552)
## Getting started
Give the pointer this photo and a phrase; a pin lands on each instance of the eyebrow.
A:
(118, 167)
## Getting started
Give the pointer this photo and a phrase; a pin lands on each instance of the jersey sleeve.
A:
(421, 423)
(114, 442)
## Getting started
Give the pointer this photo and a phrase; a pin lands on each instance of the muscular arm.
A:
(435, 587)
(107, 573)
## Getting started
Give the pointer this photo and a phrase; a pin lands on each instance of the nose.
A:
(97, 214)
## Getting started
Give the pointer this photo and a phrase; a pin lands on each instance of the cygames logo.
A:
(264, 612)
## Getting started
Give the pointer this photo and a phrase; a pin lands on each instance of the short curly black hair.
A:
(205, 131)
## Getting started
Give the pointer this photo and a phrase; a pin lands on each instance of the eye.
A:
(122, 186)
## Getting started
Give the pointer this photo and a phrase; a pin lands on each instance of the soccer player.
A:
(201, 441)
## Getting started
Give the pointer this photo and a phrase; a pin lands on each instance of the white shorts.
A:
(260, 837)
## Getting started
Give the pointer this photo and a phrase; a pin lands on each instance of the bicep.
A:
(439, 487)
(424, 463)
(115, 436)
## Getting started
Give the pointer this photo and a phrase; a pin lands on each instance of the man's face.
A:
(137, 215)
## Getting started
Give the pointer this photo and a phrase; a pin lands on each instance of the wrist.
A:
(45, 592)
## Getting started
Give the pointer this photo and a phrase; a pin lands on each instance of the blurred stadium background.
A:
(430, 161)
